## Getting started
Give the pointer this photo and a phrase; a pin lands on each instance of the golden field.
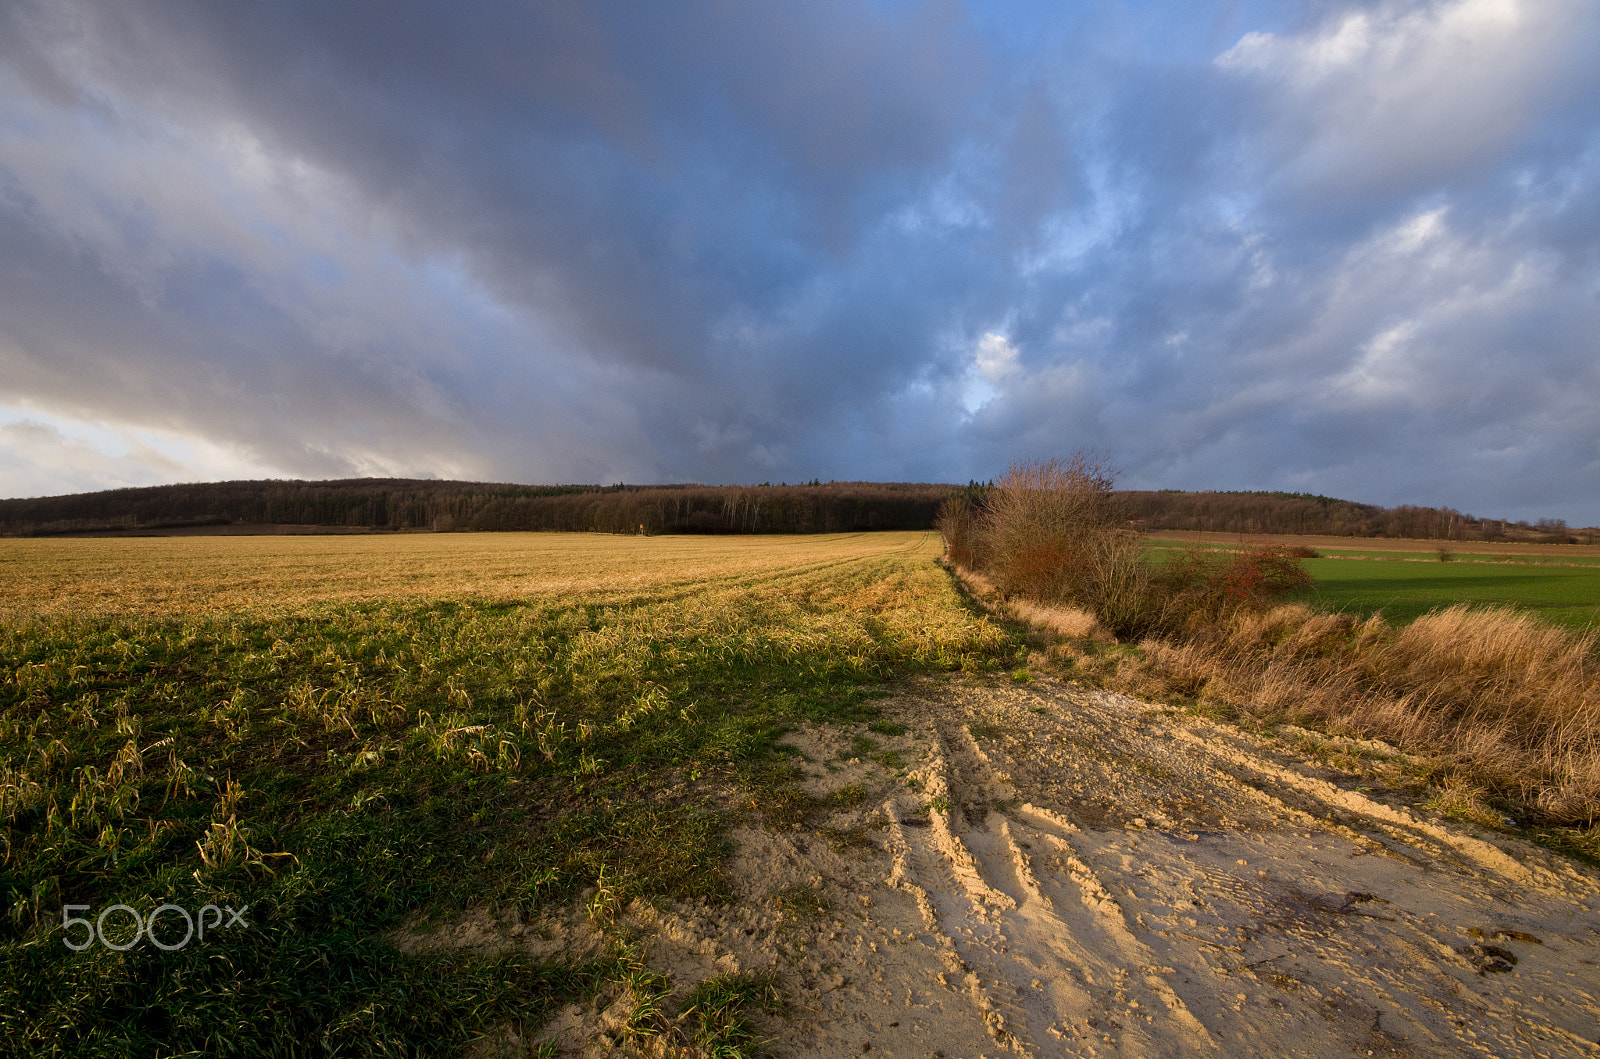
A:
(190, 576)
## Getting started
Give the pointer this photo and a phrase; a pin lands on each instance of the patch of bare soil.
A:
(1044, 870)
(1376, 544)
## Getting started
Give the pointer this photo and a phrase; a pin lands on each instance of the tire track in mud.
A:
(1118, 884)
(1052, 997)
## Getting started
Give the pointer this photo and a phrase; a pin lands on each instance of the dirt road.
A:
(1044, 870)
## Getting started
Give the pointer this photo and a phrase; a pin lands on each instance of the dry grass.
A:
(1074, 623)
(1504, 702)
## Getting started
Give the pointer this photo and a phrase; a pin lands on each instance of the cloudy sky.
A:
(1340, 247)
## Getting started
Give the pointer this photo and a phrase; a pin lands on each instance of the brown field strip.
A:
(1376, 544)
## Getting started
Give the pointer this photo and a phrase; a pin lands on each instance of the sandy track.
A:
(1041, 870)
(1124, 882)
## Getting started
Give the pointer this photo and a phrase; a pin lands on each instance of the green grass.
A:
(1405, 585)
(716, 1011)
(342, 768)
(1404, 591)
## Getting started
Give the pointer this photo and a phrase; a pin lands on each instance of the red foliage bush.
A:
(1199, 586)
(1266, 573)
(1040, 570)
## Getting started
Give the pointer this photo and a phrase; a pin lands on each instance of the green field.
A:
(1563, 595)
(1404, 585)
(341, 735)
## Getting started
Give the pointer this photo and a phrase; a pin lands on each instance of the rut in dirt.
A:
(1108, 878)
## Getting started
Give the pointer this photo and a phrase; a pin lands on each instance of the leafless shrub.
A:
(1051, 532)
(957, 522)
(1044, 521)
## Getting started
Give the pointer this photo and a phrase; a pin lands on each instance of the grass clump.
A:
(716, 1020)
(717, 1014)
(803, 902)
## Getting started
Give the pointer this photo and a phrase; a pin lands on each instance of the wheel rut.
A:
(1119, 882)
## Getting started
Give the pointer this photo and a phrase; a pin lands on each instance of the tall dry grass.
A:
(1504, 702)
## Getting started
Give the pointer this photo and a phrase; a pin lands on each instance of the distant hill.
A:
(1266, 512)
(392, 504)
(407, 504)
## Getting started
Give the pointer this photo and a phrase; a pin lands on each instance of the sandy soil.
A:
(1037, 869)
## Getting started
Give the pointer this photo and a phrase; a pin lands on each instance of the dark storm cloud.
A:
(1348, 248)
(629, 171)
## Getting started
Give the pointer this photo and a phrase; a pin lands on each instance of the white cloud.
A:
(996, 357)
(1384, 372)
(43, 454)
(994, 364)
(1411, 93)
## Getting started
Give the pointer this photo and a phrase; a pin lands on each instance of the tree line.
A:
(1308, 513)
(409, 504)
(396, 504)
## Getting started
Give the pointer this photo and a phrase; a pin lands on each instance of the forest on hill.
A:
(405, 504)
(410, 504)
(1308, 513)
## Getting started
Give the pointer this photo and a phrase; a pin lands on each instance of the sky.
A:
(1336, 247)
